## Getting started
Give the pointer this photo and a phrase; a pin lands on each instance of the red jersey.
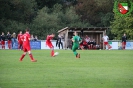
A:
(19, 37)
(49, 38)
(25, 38)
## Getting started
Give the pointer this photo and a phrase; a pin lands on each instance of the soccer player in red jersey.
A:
(49, 44)
(20, 42)
(9, 37)
(3, 37)
(26, 46)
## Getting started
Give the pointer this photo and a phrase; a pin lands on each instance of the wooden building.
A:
(93, 32)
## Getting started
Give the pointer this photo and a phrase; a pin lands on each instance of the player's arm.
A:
(108, 38)
(103, 39)
(17, 37)
(80, 40)
(29, 36)
(73, 39)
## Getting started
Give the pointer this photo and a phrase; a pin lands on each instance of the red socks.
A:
(31, 56)
(52, 53)
(22, 57)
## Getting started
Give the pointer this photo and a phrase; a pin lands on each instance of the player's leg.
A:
(52, 49)
(59, 45)
(89, 46)
(30, 54)
(9, 44)
(2, 44)
(23, 55)
(124, 45)
(18, 45)
(62, 45)
(109, 47)
(74, 48)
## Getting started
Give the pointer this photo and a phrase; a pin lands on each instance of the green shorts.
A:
(75, 47)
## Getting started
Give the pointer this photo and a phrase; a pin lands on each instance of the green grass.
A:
(95, 69)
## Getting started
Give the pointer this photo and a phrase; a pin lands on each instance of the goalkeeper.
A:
(76, 39)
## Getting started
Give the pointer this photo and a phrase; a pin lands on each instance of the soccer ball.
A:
(56, 53)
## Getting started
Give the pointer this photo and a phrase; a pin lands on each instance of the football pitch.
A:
(95, 69)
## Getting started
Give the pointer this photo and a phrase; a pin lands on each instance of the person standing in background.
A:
(3, 37)
(36, 38)
(20, 42)
(105, 41)
(60, 41)
(9, 37)
(124, 38)
(14, 39)
(0, 41)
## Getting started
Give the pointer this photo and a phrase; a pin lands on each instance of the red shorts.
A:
(9, 42)
(26, 48)
(50, 45)
(123, 43)
(2, 42)
(20, 42)
(105, 43)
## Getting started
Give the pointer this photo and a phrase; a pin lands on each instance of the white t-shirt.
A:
(87, 39)
(105, 38)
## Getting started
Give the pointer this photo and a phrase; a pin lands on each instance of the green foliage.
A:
(12, 26)
(95, 11)
(51, 20)
(16, 14)
(122, 25)
(48, 16)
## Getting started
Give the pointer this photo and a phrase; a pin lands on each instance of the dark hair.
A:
(27, 29)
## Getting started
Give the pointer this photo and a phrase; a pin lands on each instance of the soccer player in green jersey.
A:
(76, 39)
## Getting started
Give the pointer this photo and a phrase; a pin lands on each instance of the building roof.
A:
(84, 29)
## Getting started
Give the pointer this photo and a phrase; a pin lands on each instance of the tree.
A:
(122, 25)
(94, 10)
(20, 12)
(51, 20)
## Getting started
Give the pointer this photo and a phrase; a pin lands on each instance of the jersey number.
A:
(24, 38)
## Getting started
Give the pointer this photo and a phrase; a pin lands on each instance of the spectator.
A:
(32, 38)
(87, 39)
(60, 41)
(0, 40)
(20, 42)
(94, 44)
(124, 38)
(89, 44)
(35, 39)
(3, 37)
(9, 37)
(14, 39)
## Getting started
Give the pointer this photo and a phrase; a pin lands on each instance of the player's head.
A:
(20, 32)
(104, 34)
(75, 33)
(27, 30)
(53, 35)
(8, 32)
(124, 34)
(2, 33)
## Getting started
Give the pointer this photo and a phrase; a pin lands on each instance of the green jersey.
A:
(76, 39)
